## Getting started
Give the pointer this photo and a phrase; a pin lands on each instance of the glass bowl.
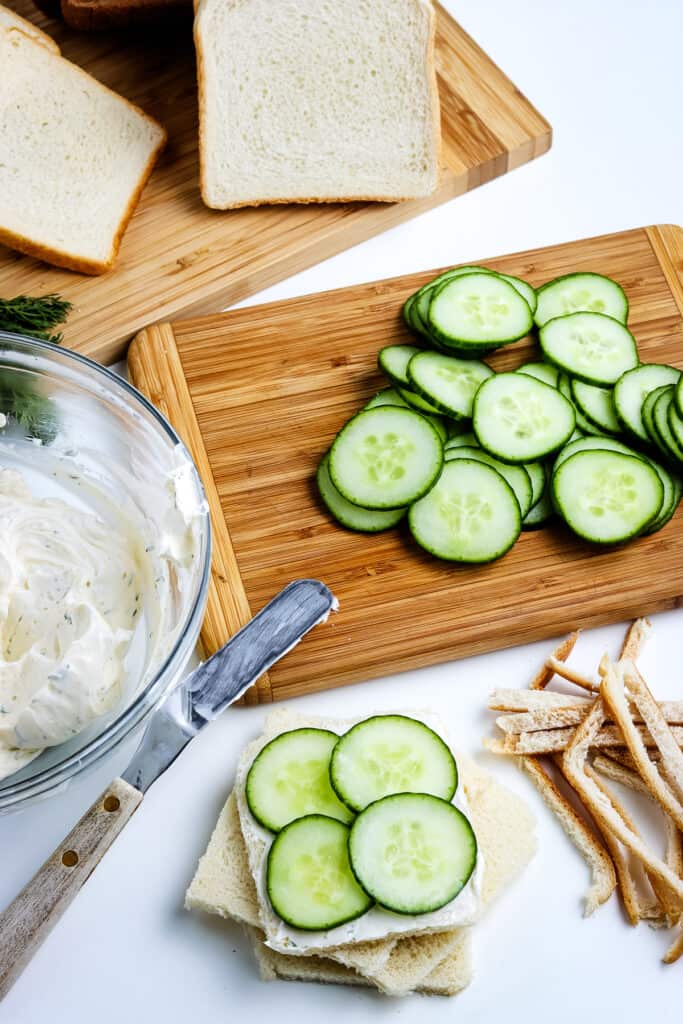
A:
(82, 422)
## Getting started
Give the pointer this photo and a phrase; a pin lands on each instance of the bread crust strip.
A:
(674, 848)
(658, 727)
(601, 807)
(560, 655)
(603, 874)
(558, 668)
(676, 951)
(561, 717)
(637, 635)
(614, 694)
(534, 700)
(551, 741)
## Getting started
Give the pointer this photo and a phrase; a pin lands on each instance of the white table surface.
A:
(607, 75)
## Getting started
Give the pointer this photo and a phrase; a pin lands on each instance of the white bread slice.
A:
(306, 102)
(9, 19)
(74, 158)
(433, 963)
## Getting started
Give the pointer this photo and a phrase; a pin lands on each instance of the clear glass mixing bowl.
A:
(81, 420)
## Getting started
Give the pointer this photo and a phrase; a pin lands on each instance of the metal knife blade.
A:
(226, 675)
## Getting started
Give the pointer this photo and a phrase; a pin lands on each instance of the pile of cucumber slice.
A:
(360, 820)
(472, 457)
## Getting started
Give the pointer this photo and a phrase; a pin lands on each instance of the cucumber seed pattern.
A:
(384, 456)
(466, 381)
(324, 874)
(410, 853)
(524, 414)
(393, 768)
(610, 491)
(483, 310)
(465, 514)
(577, 299)
(591, 344)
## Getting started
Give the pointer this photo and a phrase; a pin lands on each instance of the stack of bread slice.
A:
(433, 962)
(74, 156)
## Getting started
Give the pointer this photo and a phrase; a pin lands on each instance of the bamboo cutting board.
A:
(178, 257)
(259, 394)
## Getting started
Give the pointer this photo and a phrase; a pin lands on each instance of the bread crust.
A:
(428, 7)
(31, 30)
(100, 15)
(71, 261)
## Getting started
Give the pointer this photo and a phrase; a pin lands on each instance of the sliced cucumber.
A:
(546, 372)
(678, 398)
(591, 346)
(607, 497)
(385, 458)
(585, 426)
(354, 517)
(290, 777)
(458, 440)
(585, 444)
(393, 360)
(412, 852)
(670, 499)
(596, 405)
(647, 413)
(390, 396)
(583, 292)
(391, 754)
(633, 387)
(662, 424)
(539, 514)
(525, 290)
(520, 419)
(516, 476)
(426, 293)
(537, 475)
(470, 515)
(387, 396)
(415, 401)
(676, 422)
(447, 383)
(477, 310)
(666, 513)
(309, 879)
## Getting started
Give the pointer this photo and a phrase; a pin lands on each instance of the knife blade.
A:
(191, 705)
(227, 675)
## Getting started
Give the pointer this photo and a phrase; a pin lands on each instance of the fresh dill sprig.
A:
(19, 399)
(36, 317)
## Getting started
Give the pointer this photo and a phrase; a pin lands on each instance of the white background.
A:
(606, 73)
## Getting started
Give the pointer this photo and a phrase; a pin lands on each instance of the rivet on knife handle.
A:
(40, 904)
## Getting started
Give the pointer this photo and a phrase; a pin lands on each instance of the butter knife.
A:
(192, 704)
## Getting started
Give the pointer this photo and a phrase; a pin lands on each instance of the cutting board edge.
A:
(228, 608)
(289, 691)
(667, 243)
(416, 279)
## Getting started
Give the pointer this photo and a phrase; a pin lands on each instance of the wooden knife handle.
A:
(40, 904)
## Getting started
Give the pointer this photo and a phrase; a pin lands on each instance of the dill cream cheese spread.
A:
(377, 923)
(70, 593)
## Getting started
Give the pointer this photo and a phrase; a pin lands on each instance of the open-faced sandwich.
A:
(362, 852)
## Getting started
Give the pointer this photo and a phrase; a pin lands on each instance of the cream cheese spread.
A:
(376, 923)
(70, 593)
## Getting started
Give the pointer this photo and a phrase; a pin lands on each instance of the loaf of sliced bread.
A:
(316, 102)
(8, 19)
(74, 158)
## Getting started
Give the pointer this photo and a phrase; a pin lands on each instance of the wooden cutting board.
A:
(259, 394)
(178, 257)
